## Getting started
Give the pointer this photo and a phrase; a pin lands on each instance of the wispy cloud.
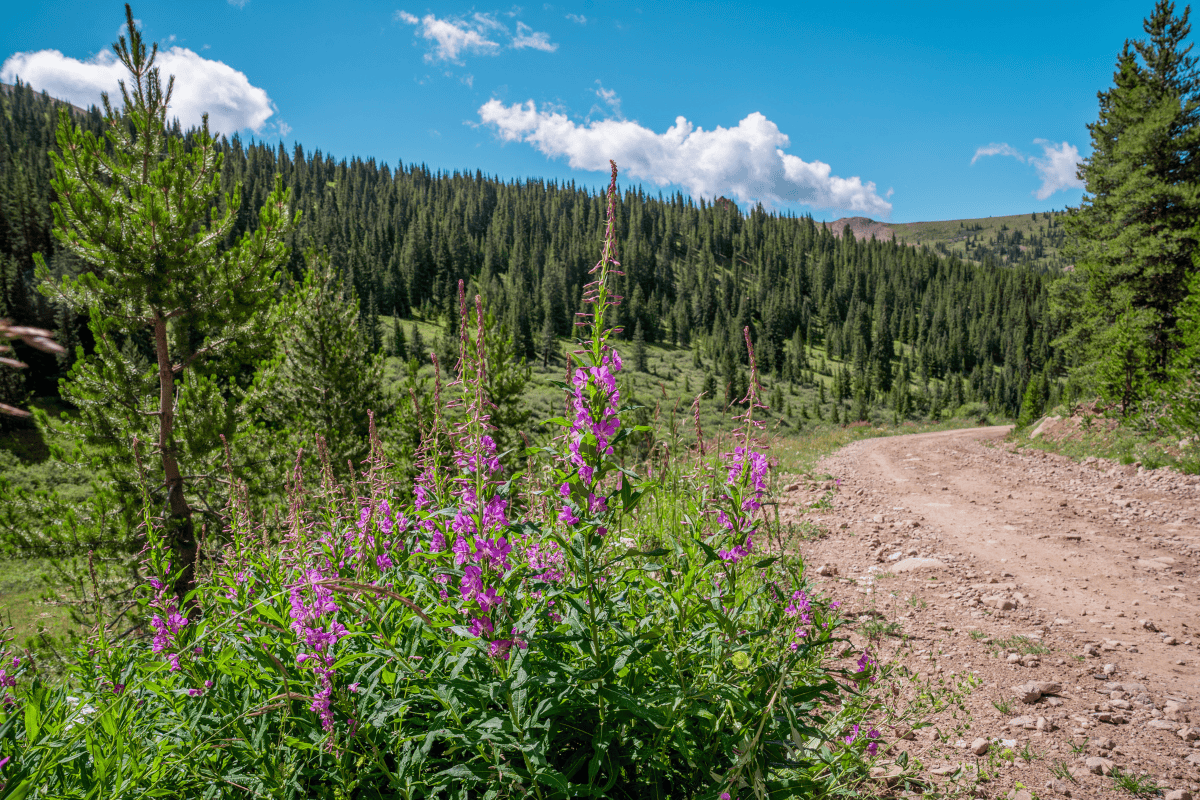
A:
(579, 19)
(451, 38)
(201, 85)
(528, 37)
(746, 161)
(479, 34)
(609, 98)
(1002, 149)
(1056, 166)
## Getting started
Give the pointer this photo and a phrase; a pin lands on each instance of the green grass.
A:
(805, 531)
(878, 628)
(1138, 785)
(1019, 644)
(1122, 444)
(1028, 753)
(1003, 705)
(917, 602)
(1060, 770)
(24, 611)
(1079, 747)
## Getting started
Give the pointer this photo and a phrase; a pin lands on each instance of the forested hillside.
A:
(696, 272)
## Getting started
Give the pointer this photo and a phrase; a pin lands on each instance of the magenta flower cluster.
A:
(166, 623)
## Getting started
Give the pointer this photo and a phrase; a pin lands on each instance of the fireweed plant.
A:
(576, 630)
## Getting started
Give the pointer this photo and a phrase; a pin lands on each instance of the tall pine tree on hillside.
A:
(1134, 237)
(137, 207)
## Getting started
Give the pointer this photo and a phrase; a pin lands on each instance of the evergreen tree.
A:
(639, 349)
(1180, 396)
(373, 327)
(549, 344)
(507, 377)
(321, 380)
(399, 347)
(1032, 402)
(416, 345)
(137, 207)
(1134, 236)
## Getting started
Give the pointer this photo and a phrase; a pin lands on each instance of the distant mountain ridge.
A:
(7, 88)
(1034, 239)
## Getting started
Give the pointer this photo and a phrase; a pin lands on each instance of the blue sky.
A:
(897, 111)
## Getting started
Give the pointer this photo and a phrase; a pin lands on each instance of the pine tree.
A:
(639, 349)
(1134, 237)
(321, 380)
(399, 347)
(416, 345)
(373, 326)
(138, 208)
(549, 343)
(508, 375)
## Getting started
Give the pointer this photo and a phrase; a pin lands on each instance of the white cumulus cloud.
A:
(746, 161)
(1056, 166)
(454, 37)
(201, 85)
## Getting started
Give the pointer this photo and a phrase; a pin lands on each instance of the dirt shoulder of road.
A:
(1068, 592)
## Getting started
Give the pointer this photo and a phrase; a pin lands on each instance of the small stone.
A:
(1048, 687)
(1109, 669)
(1099, 766)
(1046, 725)
(1189, 734)
(887, 774)
(1022, 722)
(979, 746)
(1091, 650)
(1148, 625)
(1171, 640)
(943, 771)
(1163, 725)
(1027, 693)
(1060, 787)
(1030, 660)
(1178, 794)
(1014, 658)
(1019, 794)
(1193, 759)
(827, 570)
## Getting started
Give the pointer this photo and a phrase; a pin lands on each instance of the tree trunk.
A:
(180, 532)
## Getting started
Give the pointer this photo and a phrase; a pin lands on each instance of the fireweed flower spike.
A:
(746, 476)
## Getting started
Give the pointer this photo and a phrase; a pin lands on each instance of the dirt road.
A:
(1021, 567)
